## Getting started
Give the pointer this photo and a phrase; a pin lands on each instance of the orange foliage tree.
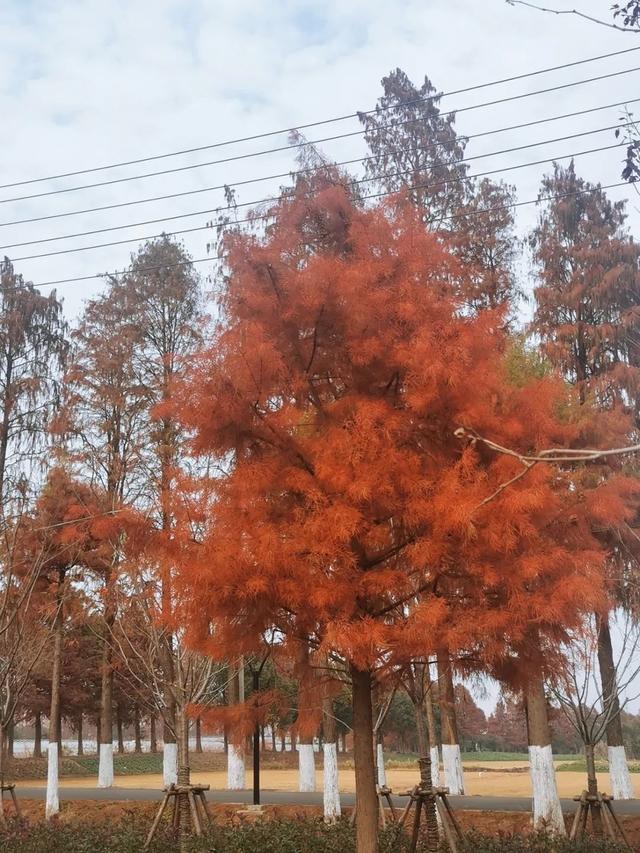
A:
(331, 394)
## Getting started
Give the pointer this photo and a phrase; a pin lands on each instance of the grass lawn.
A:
(131, 764)
(580, 765)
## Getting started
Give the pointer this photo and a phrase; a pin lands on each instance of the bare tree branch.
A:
(576, 12)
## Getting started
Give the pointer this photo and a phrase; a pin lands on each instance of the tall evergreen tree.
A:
(415, 147)
(587, 316)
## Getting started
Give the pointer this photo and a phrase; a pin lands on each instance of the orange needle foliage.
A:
(351, 514)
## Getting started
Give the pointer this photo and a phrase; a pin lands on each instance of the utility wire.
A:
(296, 172)
(303, 144)
(275, 200)
(463, 214)
(376, 110)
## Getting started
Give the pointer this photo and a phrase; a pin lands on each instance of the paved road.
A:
(501, 804)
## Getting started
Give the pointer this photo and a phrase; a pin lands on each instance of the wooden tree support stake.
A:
(422, 798)
(197, 805)
(384, 800)
(599, 807)
(11, 788)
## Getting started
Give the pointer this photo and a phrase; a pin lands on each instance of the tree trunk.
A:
(52, 806)
(98, 733)
(381, 774)
(592, 787)
(426, 780)
(306, 755)
(3, 759)
(170, 723)
(366, 796)
(417, 688)
(306, 765)
(37, 742)
(236, 779)
(274, 745)
(80, 736)
(2, 755)
(153, 737)
(330, 786)
(170, 749)
(433, 735)
(169, 741)
(184, 775)
(621, 784)
(11, 736)
(263, 739)
(198, 735)
(592, 779)
(105, 747)
(283, 742)
(120, 730)
(452, 760)
(137, 729)
(547, 811)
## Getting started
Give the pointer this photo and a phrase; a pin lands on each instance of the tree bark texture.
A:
(366, 796)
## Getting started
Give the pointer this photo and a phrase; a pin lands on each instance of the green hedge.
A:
(273, 836)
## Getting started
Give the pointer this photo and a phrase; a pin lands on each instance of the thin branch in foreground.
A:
(552, 454)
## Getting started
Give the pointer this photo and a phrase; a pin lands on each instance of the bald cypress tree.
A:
(587, 309)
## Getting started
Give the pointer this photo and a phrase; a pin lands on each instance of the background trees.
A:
(586, 313)
(415, 147)
(128, 350)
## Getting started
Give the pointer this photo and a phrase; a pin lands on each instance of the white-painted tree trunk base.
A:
(621, 784)
(105, 766)
(547, 811)
(52, 804)
(170, 763)
(306, 768)
(382, 776)
(331, 791)
(435, 766)
(452, 762)
(235, 768)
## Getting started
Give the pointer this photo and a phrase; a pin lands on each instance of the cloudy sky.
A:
(85, 83)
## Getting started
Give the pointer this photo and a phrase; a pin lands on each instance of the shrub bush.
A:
(272, 836)
(539, 842)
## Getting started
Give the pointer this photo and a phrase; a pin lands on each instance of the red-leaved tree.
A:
(330, 395)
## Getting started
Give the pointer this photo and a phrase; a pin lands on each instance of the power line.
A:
(466, 214)
(247, 156)
(276, 199)
(346, 117)
(294, 173)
